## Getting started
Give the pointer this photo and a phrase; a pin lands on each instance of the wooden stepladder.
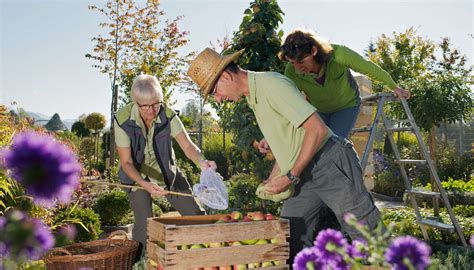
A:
(382, 124)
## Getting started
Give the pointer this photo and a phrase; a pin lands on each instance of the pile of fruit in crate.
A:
(237, 216)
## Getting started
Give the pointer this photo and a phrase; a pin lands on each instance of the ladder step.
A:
(437, 224)
(362, 129)
(421, 192)
(411, 161)
(400, 129)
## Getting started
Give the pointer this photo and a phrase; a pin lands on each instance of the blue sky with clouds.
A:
(43, 43)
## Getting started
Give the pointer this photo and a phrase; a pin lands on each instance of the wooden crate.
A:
(166, 236)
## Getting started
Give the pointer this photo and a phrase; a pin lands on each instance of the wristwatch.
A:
(294, 179)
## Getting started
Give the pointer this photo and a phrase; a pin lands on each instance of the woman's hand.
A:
(402, 93)
(207, 164)
(154, 189)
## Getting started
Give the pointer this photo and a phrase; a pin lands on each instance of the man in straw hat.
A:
(326, 170)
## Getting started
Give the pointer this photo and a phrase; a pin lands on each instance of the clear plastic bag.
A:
(211, 190)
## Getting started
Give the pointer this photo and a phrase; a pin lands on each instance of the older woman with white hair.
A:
(144, 130)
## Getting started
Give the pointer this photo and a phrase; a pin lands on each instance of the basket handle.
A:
(57, 250)
(120, 233)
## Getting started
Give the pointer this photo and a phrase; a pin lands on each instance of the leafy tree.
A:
(95, 121)
(440, 85)
(193, 111)
(259, 37)
(55, 123)
(134, 44)
(79, 128)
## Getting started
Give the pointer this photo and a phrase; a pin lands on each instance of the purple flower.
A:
(471, 241)
(358, 249)
(305, 257)
(327, 244)
(47, 169)
(24, 238)
(408, 248)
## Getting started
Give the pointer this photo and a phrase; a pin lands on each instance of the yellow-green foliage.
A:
(456, 185)
(405, 224)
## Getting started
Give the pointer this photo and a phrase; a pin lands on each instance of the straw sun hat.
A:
(208, 66)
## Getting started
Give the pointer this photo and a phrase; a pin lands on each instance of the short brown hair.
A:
(298, 45)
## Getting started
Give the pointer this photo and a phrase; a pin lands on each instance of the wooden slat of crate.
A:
(208, 257)
(276, 267)
(207, 232)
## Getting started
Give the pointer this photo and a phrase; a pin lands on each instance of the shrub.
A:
(213, 150)
(450, 257)
(387, 178)
(464, 210)
(457, 185)
(405, 224)
(112, 207)
(163, 204)
(189, 170)
(87, 222)
(242, 196)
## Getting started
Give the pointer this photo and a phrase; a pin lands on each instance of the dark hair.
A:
(232, 67)
(298, 45)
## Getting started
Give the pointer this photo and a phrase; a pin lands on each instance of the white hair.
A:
(146, 88)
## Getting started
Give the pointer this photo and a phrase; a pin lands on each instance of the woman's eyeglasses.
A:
(146, 107)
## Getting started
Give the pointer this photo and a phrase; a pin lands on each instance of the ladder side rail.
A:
(370, 141)
(405, 179)
(433, 171)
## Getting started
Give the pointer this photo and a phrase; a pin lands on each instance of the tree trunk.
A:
(113, 105)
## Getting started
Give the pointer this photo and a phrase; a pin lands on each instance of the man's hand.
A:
(402, 93)
(263, 146)
(207, 164)
(154, 189)
(277, 184)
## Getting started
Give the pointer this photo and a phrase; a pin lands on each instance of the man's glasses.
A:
(146, 107)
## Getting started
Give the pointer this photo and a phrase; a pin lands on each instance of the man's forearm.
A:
(275, 171)
(312, 140)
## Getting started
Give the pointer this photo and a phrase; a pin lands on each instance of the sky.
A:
(43, 43)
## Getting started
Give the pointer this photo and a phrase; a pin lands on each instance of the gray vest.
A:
(162, 145)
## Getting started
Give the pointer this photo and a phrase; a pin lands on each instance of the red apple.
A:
(257, 216)
(247, 219)
(269, 217)
(223, 219)
(240, 266)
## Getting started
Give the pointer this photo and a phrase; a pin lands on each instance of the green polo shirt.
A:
(122, 139)
(280, 110)
(336, 93)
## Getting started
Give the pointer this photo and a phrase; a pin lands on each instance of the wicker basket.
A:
(107, 254)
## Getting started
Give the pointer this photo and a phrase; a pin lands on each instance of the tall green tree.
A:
(55, 123)
(260, 38)
(137, 39)
(79, 128)
(95, 122)
(437, 75)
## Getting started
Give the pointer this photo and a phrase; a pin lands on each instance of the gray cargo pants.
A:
(333, 177)
(141, 204)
